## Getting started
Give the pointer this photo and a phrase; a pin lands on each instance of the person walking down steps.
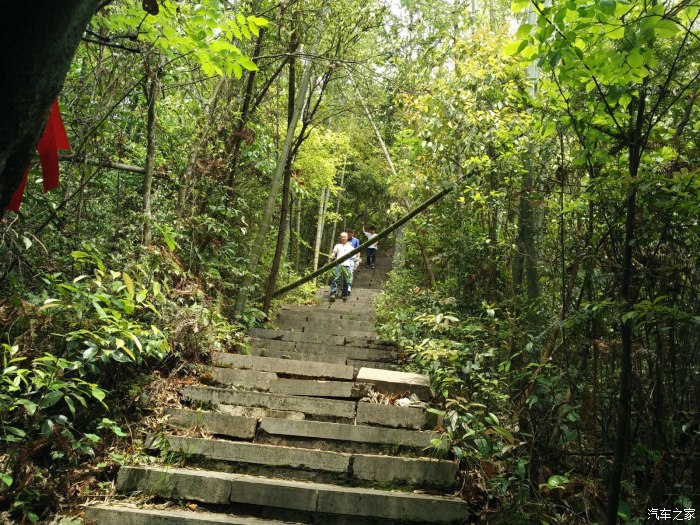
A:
(356, 260)
(372, 250)
(344, 269)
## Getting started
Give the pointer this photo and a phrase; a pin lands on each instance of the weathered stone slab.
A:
(321, 357)
(212, 422)
(350, 352)
(393, 416)
(416, 471)
(130, 515)
(271, 344)
(222, 488)
(205, 486)
(381, 504)
(298, 387)
(285, 366)
(309, 406)
(241, 452)
(344, 432)
(323, 322)
(258, 412)
(360, 363)
(244, 378)
(396, 382)
(324, 311)
(296, 336)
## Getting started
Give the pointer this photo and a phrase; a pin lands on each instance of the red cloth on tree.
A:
(52, 139)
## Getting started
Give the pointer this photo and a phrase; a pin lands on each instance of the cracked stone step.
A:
(119, 514)
(298, 387)
(419, 472)
(315, 407)
(303, 319)
(330, 330)
(380, 350)
(250, 379)
(288, 335)
(323, 311)
(361, 363)
(396, 382)
(320, 357)
(223, 489)
(270, 455)
(395, 437)
(257, 412)
(285, 366)
(212, 422)
(394, 416)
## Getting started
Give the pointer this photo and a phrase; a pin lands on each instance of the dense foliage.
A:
(552, 295)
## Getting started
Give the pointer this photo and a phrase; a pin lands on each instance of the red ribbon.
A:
(52, 139)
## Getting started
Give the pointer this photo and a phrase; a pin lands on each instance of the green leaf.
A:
(237, 70)
(617, 33)
(635, 58)
(71, 405)
(236, 30)
(6, 479)
(28, 405)
(623, 510)
(519, 5)
(557, 482)
(98, 393)
(666, 28)
(129, 283)
(247, 63)
(50, 398)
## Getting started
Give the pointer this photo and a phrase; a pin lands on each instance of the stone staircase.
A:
(297, 434)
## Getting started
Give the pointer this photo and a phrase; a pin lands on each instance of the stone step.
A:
(295, 319)
(315, 408)
(212, 422)
(120, 514)
(367, 350)
(302, 337)
(254, 453)
(394, 416)
(250, 379)
(334, 389)
(396, 382)
(395, 437)
(321, 357)
(323, 311)
(330, 330)
(361, 363)
(313, 498)
(288, 367)
(417, 472)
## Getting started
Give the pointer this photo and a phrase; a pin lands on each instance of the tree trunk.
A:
(243, 118)
(323, 201)
(281, 230)
(208, 120)
(150, 153)
(259, 241)
(624, 402)
(337, 204)
(38, 44)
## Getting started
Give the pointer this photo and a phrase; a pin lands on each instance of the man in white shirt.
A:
(346, 267)
(372, 250)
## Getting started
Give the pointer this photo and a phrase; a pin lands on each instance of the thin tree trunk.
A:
(150, 156)
(205, 128)
(323, 201)
(259, 241)
(281, 230)
(245, 113)
(337, 204)
(624, 402)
